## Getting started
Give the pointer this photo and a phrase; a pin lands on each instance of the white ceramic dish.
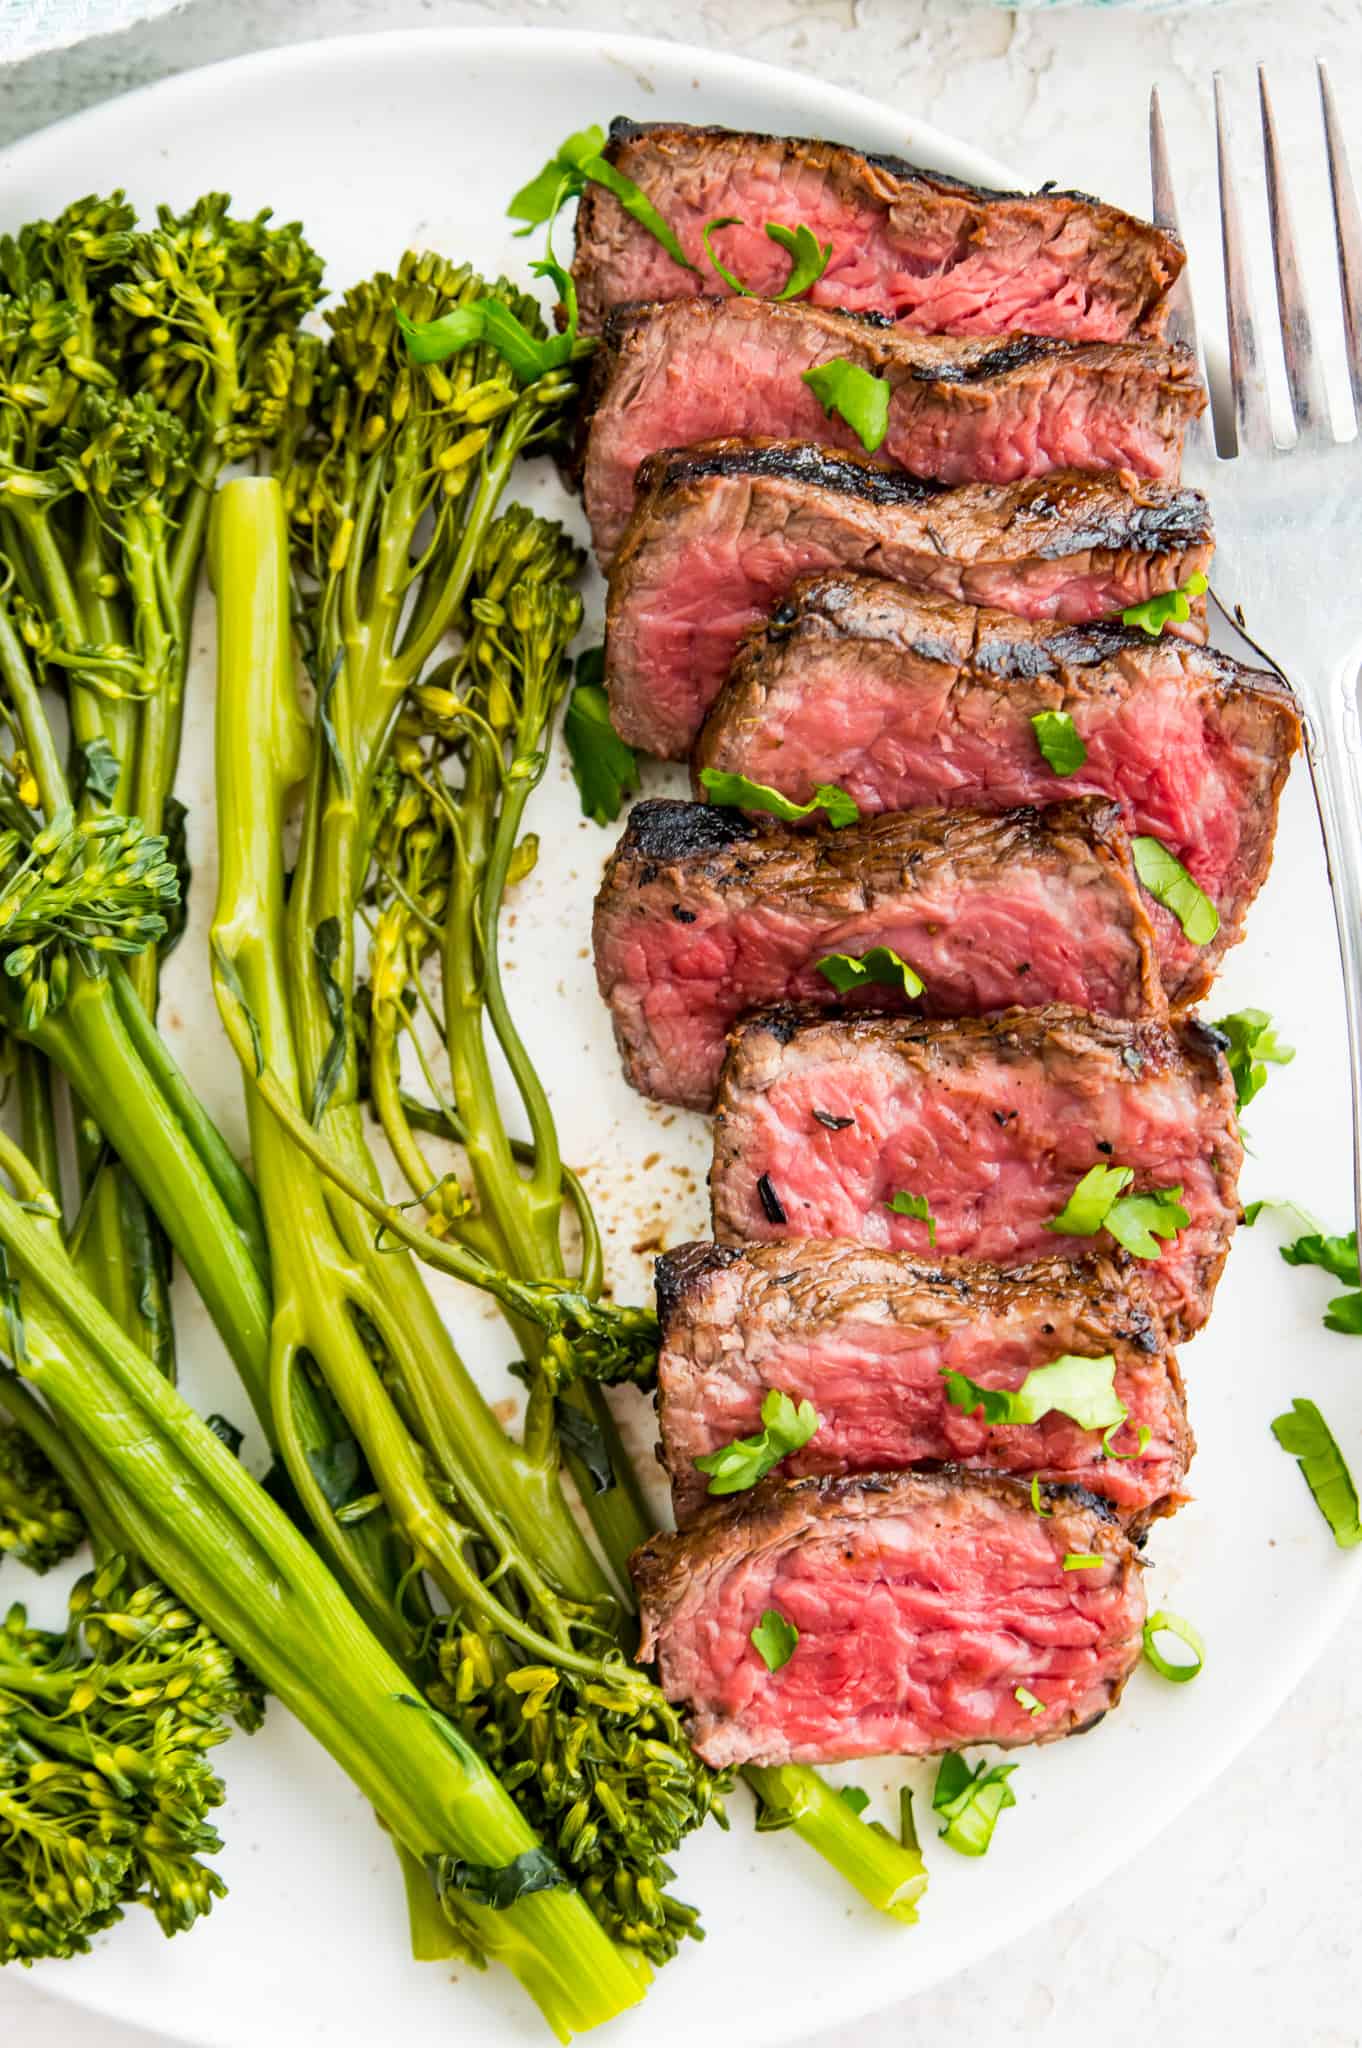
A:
(391, 139)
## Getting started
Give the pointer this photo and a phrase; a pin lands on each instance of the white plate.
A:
(385, 140)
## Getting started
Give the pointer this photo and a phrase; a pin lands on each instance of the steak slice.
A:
(934, 253)
(866, 1335)
(963, 412)
(720, 532)
(703, 915)
(923, 1601)
(904, 699)
(993, 1120)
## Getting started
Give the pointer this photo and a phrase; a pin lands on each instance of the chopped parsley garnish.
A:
(880, 967)
(576, 163)
(1178, 1671)
(1044, 1512)
(1307, 1436)
(604, 769)
(1028, 1700)
(1336, 1256)
(774, 1639)
(1135, 1221)
(1253, 1046)
(855, 395)
(1082, 1388)
(1142, 1436)
(1083, 1561)
(740, 1464)
(904, 1204)
(1058, 739)
(854, 1797)
(809, 258)
(970, 1801)
(1169, 883)
(1170, 607)
(725, 788)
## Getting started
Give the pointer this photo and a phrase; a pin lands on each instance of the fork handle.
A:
(1333, 742)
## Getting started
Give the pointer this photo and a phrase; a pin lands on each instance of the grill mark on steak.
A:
(721, 532)
(926, 1096)
(958, 894)
(868, 1569)
(865, 1335)
(902, 699)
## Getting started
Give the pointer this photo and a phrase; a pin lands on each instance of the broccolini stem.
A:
(887, 1873)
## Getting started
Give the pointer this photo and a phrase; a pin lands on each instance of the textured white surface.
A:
(1243, 1923)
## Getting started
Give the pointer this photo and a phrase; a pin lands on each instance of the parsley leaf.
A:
(527, 356)
(1086, 1209)
(1058, 739)
(1307, 1436)
(1170, 607)
(1027, 1699)
(604, 769)
(1169, 883)
(774, 1639)
(970, 1801)
(881, 966)
(904, 1204)
(855, 395)
(1082, 1388)
(747, 1459)
(809, 258)
(1334, 1255)
(1164, 1623)
(854, 1797)
(1253, 1046)
(1135, 1221)
(725, 788)
(576, 163)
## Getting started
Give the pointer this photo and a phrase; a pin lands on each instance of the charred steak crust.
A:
(864, 1334)
(934, 251)
(796, 462)
(883, 1575)
(963, 890)
(664, 829)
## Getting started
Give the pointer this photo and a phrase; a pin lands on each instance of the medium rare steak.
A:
(936, 254)
(703, 915)
(922, 1600)
(821, 1121)
(961, 411)
(904, 699)
(866, 1336)
(720, 532)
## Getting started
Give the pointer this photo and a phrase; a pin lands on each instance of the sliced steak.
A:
(866, 1336)
(961, 411)
(922, 1600)
(720, 532)
(993, 1120)
(934, 253)
(703, 915)
(904, 699)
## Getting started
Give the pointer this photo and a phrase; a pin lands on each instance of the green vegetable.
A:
(1059, 740)
(1164, 1623)
(1253, 1046)
(970, 1801)
(854, 1797)
(1083, 1388)
(740, 1464)
(1170, 607)
(889, 1875)
(1027, 1699)
(809, 258)
(1304, 1433)
(904, 1204)
(1169, 883)
(575, 163)
(1044, 1512)
(604, 769)
(774, 1639)
(40, 1524)
(725, 788)
(1135, 1221)
(855, 395)
(881, 967)
(1083, 1561)
(1337, 1256)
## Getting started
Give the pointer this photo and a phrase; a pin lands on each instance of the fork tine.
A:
(1309, 399)
(1200, 435)
(1347, 234)
(1246, 368)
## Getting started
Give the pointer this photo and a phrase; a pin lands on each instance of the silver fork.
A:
(1289, 519)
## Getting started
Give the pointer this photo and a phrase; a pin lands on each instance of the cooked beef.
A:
(720, 532)
(993, 1119)
(904, 699)
(936, 254)
(866, 1336)
(961, 411)
(922, 1600)
(703, 915)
